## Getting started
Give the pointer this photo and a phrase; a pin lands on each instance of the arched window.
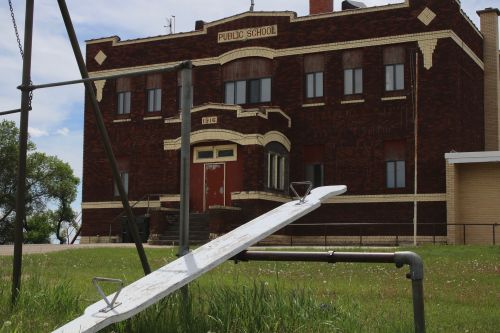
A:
(277, 167)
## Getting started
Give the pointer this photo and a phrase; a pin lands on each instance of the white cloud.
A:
(36, 132)
(63, 131)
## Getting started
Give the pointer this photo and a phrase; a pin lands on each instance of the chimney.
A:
(320, 6)
(198, 25)
(489, 29)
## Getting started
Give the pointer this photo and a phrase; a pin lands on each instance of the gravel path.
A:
(8, 250)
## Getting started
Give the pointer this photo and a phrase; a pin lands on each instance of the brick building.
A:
(330, 97)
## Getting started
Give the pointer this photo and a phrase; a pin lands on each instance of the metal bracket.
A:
(302, 199)
(113, 304)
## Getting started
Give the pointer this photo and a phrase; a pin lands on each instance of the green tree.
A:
(50, 182)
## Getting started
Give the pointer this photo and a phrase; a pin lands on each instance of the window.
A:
(394, 59)
(395, 174)
(123, 88)
(353, 72)
(395, 164)
(353, 81)
(222, 153)
(313, 158)
(314, 85)
(247, 91)
(124, 102)
(275, 171)
(394, 77)
(124, 178)
(154, 100)
(314, 174)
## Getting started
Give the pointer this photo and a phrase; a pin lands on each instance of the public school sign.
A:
(249, 33)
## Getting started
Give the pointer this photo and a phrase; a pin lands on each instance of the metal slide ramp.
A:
(150, 289)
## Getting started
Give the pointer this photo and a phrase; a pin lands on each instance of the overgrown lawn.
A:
(461, 286)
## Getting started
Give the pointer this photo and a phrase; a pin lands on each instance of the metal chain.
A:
(16, 31)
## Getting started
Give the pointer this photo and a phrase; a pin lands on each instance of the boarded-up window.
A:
(313, 159)
(123, 84)
(395, 164)
(248, 68)
(394, 59)
(352, 59)
(394, 55)
(314, 63)
(153, 81)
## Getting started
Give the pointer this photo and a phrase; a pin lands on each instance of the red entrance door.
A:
(214, 185)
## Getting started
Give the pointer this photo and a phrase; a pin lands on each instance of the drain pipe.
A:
(416, 273)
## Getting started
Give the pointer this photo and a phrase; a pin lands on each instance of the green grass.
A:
(461, 286)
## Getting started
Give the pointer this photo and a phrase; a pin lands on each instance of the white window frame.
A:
(123, 102)
(276, 171)
(395, 174)
(353, 81)
(393, 81)
(239, 92)
(312, 81)
(154, 100)
(215, 154)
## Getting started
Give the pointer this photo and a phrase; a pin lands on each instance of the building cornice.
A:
(274, 53)
(115, 40)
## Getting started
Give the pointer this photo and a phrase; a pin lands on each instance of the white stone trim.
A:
(152, 118)
(170, 198)
(354, 101)
(472, 157)
(379, 198)
(122, 120)
(118, 204)
(426, 16)
(242, 113)
(311, 105)
(259, 195)
(228, 135)
(399, 39)
(394, 98)
(99, 86)
(100, 57)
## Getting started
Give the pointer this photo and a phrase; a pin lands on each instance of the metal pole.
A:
(23, 149)
(399, 258)
(104, 136)
(98, 78)
(4, 113)
(415, 203)
(185, 158)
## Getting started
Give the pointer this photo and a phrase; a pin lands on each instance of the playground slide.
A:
(150, 289)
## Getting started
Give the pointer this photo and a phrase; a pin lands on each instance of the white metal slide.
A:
(150, 289)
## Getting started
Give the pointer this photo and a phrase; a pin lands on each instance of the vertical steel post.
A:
(23, 150)
(104, 136)
(415, 202)
(186, 99)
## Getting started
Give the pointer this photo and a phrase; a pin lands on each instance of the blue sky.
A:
(56, 122)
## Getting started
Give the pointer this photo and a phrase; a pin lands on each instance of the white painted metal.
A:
(160, 283)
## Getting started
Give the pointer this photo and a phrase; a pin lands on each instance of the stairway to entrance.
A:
(198, 231)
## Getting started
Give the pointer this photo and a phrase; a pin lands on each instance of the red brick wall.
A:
(320, 6)
(353, 135)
